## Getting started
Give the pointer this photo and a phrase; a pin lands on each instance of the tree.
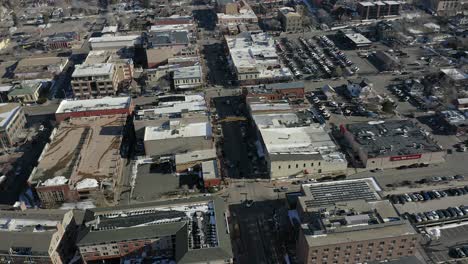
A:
(388, 106)
(338, 72)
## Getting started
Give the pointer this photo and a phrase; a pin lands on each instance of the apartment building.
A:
(95, 80)
(444, 7)
(290, 19)
(188, 230)
(38, 236)
(12, 121)
(347, 222)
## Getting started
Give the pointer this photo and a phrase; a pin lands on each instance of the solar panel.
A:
(332, 193)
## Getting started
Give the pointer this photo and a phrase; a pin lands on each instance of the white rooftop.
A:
(188, 72)
(98, 69)
(114, 38)
(358, 38)
(105, 103)
(275, 120)
(57, 180)
(8, 114)
(269, 107)
(204, 154)
(255, 53)
(109, 29)
(455, 74)
(190, 130)
(297, 140)
(192, 103)
(177, 27)
(366, 3)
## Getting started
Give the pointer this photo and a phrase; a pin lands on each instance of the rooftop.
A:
(165, 218)
(164, 38)
(358, 39)
(392, 138)
(189, 130)
(86, 147)
(7, 112)
(255, 53)
(98, 69)
(106, 103)
(197, 155)
(348, 211)
(454, 117)
(173, 104)
(41, 61)
(26, 88)
(188, 72)
(455, 74)
(133, 38)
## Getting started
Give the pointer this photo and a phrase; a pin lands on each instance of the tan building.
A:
(12, 121)
(25, 92)
(346, 222)
(290, 19)
(444, 7)
(82, 161)
(123, 65)
(95, 80)
(38, 236)
(40, 68)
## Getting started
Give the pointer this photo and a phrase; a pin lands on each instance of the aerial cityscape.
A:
(233, 131)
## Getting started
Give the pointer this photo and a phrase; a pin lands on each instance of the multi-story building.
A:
(391, 144)
(346, 222)
(237, 13)
(276, 91)
(189, 230)
(444, 7)
(38, 236)
(254, 59)
(114, 42)
(188, 77)
(95, 80)
(123, 62)
(12, 121)
(176, 137)
(62, 40)
(163, 45)
(378, 9)
(290, 19)
(84, 158)
(26, 91)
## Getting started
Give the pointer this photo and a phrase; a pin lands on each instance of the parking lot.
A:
(453, 236)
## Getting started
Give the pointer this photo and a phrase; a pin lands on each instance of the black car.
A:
(462, 190)
(446, 213)
(440, 214)
(401, 199)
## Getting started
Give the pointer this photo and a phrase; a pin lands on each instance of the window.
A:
(297, 166)
(337, 248)
(382, 243)
(289, 166)
(348, 247)
(312, 164)
(304, 165)
(319, 163)
(279, 167)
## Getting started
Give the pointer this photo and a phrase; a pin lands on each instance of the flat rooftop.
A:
(392, 138)
(173, 104)
(194, 156)
(106, 103)
(455, 74)
(166, 218)
(188, 72)
(189, 130)
(98, 69)
(163, 38)
(358, 39)
(40, 61)
(86, 147)
(133, 38)
(330, 193)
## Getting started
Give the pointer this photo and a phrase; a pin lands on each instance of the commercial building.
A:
(189, 230)
(63, 40)
(114, 42)
(454, 122)
(357, 40)
(391, 144)
(444, 7)
(26, 91)
(254, 59)
(163, 45)
(176, 137)
(188, 77)
(95, 80)
(378, 9)
(237, 13)
(38, 236)
(462, 104)
(346, 222)
(12, 121)
(291, 20)
(292, 146)
(94, 107)
(386, 61)
(184, 161)
(275, 91)
(454, 77)
(185, 109)
(40, 68)
(123, 63)
(82, 161)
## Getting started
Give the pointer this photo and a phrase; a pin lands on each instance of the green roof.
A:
(25, 88)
